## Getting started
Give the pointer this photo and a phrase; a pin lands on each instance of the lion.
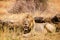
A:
(24, 22)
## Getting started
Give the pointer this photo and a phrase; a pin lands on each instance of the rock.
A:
(45, 28)
(50, 27)
(40, 28)
(39, 19)
(56, 18)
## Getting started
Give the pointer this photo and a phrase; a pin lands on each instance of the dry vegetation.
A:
(29, 19)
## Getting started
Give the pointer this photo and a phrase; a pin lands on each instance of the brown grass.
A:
(38, 8)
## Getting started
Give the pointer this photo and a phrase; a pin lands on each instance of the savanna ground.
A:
(38, 8)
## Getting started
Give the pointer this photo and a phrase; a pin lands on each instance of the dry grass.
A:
(31, 36)
(45, 9)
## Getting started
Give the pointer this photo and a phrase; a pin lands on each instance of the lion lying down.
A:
(23, 22)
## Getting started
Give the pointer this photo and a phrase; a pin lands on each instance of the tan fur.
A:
(18, 20)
